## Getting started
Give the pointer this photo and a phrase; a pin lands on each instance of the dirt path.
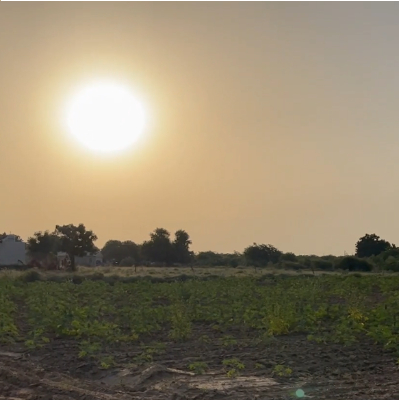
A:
(319, 371)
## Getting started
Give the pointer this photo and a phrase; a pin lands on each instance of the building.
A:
(90, 260)
(12, 250)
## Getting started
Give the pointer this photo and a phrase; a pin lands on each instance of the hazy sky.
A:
(269, 122)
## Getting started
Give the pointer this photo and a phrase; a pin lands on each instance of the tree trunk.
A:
(72, 265)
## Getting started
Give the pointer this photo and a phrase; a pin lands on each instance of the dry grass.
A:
(165, 272)
(176, 271)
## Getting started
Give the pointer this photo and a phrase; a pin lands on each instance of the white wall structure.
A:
(12, 251)
(90, 260)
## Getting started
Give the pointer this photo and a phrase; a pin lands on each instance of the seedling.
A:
(281, 370)
(235, 367)
(198, 367)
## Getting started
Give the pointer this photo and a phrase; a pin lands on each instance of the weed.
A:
(234, 365)
(281, 370)
(198, 367)
(228, 341)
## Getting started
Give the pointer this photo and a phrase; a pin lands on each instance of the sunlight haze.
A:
(265, 122)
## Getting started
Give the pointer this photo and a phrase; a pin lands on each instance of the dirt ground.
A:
(319, 371)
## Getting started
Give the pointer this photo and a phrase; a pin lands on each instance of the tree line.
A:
(370, 251)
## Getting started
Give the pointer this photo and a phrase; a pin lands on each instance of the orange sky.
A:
(270, 122)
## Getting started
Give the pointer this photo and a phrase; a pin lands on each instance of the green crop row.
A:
(327, 308)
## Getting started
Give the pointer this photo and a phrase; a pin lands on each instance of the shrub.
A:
(288, 257)
(30, 276)
(323, 265)
(354, 264)
(77, 279)
(391, 264)
(293, 265)
(261, 255)
(127, 262)
(233, 263)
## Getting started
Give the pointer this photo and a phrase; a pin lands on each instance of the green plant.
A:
(228, 341)
(97, 314)
(107, 362)
(198, 367)
(204, 339)
(181, 324)
(281, 370)
(234, 365)
(88, 348)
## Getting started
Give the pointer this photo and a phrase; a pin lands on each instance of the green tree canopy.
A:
(354, 264)
(261, 254)
(181, 244)
(370, 245)
(116, 250)
(44, 243)
(159, 248)
(76, 241)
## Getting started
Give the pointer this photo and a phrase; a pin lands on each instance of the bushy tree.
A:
(387, 260)
(159, 248)
(76, 241)
(116, 251)
(392, 264)
(261, 255)
(392, 251)
(350, 263)
(209, 258)
(288, 257)
(293, 265)
(181, 244)
(111, 251)
(43, 243)
(127, 262)
(371, 245)
(322, 264)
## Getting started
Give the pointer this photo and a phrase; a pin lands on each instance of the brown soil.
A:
(323, 371)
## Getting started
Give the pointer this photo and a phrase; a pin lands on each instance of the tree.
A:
(43, 243)
(392, 251)
(159, 248)
(116, 251)
(76, 241)
(181, 244)
(261, 255)
(127, 262)
(388, 259)
(130, 250)
(111, 251)
(370, 245)
(209, 258)
(289, 257)
(354, 264)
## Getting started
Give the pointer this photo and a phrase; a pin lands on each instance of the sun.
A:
(105, 117)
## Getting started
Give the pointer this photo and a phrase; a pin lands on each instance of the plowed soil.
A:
(362, 371)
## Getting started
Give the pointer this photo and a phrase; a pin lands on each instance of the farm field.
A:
(232, 337)
(169, 272)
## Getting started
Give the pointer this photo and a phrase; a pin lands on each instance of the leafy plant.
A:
(281, 370)
(228, 340)
(234, 365)
(107, 362)
(198, 367)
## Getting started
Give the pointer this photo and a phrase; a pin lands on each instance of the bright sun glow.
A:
(105, 117)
